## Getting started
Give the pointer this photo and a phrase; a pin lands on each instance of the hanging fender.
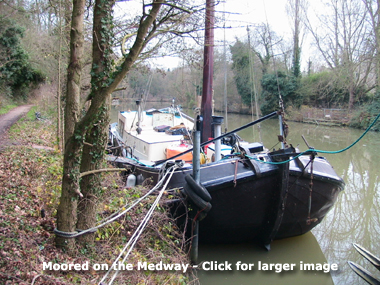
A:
(198, 188)
(198, 201)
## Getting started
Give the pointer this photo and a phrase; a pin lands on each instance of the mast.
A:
(208, 68)
(225, 69)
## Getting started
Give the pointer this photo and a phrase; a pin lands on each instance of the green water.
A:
(355, 218)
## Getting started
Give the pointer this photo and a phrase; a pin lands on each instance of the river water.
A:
(355, 218)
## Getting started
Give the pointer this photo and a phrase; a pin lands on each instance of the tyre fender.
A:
(198, 188)
(198, 201)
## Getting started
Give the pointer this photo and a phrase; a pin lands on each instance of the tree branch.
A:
(173, 6)
(101, 170)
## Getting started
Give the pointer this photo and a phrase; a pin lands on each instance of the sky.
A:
(242, 13)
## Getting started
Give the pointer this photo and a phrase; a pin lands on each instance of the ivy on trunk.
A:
(77, 207)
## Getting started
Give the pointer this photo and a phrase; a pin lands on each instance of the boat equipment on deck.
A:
(220, 137)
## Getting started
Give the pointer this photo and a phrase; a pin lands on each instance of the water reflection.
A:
(294, 250)
(356, 215)
(354, 218)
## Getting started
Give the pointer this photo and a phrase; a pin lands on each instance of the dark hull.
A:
(236, 218)
(250, 202)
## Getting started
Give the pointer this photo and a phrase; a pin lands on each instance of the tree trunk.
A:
(92, 158)
(94, 123)
(352, 99)
(96, 135)
(373, 9)
(74, 69)
(67, 209)
(296, 45)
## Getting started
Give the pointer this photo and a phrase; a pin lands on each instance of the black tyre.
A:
(198, 201)
(198, 188)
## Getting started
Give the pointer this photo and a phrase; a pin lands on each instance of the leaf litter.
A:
(30, 184)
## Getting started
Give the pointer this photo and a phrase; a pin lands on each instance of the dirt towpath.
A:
(7, 120)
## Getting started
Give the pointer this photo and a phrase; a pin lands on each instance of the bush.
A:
(365, 116)
(16, 71)
(287, 85)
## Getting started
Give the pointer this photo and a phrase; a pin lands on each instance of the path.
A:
(8, 119)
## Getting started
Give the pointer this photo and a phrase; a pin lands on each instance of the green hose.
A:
(321, 151)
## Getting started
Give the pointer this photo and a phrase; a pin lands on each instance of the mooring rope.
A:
(132, 241)
(112, 217)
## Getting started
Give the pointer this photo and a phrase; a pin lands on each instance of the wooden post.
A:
(208, 68)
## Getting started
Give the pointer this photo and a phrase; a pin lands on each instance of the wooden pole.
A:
(208, 68)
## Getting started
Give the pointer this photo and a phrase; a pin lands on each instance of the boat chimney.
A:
(138, 129)
(197, 148)
(217, 121)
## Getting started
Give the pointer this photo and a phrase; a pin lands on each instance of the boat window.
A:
(121, 127)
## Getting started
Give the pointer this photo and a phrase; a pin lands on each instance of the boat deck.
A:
(150, 136)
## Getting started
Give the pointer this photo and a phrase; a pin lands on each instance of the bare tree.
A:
(265, 42)
(296, 11)
(160, 22)
(341, 39)
(373, 10)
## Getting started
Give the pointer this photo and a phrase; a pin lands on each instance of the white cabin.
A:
(151, 145)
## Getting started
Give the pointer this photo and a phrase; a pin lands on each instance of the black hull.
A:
(249, 202)
(237, 219)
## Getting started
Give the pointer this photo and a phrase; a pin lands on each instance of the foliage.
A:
(365, 116)
(30, 181)
(324, 90)
(296, 67)
(241, 66)
(5, 109)
(274, 83)
(161, 240)
(15, 68)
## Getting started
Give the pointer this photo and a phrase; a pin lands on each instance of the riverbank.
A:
(30, 184)
(320, 116)
(359, 118)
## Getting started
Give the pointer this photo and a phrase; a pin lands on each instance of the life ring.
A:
(198, 188)
(198, 201)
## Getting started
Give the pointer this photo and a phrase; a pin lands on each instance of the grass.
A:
(5, 109)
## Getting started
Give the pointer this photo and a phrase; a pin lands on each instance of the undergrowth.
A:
(30, 185)
(364, 116)
(6, 108)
